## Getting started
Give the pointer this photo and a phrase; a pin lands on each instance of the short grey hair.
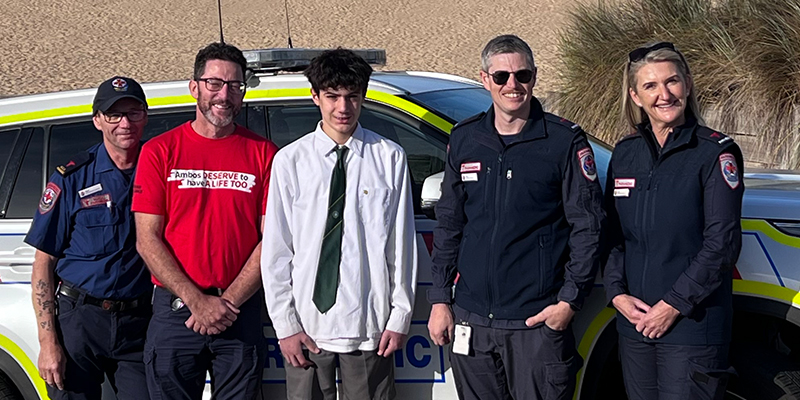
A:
(505, 44)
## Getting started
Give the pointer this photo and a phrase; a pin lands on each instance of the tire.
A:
(763, 374)
(7, 389)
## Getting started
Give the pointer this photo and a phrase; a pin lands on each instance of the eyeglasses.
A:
(132, 115)
(642, 52)
(522, 76)
(215, 85)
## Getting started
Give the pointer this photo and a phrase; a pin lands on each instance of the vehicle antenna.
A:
(219, 10)
(288, 29)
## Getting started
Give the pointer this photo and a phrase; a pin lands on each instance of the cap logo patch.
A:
(49, 198)
(727, 164)
(120, 85)
(588, 167)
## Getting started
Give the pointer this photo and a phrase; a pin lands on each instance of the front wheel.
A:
(763, 374)
(7, 389)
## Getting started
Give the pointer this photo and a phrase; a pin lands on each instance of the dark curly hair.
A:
(339, 68)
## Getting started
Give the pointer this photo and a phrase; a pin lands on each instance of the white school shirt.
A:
(378, 269)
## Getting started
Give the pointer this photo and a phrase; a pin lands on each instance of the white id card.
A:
(461, 343)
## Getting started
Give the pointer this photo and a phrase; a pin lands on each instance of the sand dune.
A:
(52, 45)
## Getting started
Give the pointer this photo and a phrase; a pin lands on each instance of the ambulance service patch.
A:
(588, 167)
(49, 198)
(727, 164)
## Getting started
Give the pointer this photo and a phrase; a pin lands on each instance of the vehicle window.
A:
(29, 184)
(7, 138)
(256, 120)
(426, 155)
(287, 124)
(456, 104)
(67, 140)
(160, 123)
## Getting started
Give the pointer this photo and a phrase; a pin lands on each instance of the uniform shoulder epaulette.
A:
(469, 120)
(629, 136)
(76, 162)
(714, 136)
(563, 122)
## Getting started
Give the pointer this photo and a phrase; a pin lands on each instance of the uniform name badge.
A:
(90, 190)
(469, 177)
(461, 343)
(622, 192)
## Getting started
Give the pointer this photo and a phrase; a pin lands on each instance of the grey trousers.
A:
(364, 376)
(522, 364)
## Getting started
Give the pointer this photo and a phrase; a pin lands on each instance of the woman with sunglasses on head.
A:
(673, 199)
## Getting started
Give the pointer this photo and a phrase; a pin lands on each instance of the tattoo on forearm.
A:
(46, 307)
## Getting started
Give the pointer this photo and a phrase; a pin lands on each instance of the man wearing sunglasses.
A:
(519, 221)
(200, 196)
(92, 323)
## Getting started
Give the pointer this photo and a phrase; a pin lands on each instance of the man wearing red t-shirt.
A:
(199, 198)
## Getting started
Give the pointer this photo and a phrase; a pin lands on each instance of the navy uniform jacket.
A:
(85, 220)
(519, 223)
(674, 226)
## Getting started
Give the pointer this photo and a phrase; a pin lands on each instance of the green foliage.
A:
(744, 56)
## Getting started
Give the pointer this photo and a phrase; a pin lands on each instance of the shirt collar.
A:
(104, 163)
(324, 145)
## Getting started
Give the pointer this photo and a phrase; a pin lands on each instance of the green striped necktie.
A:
(331, 253)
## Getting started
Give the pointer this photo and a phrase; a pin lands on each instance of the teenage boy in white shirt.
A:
(339, 260)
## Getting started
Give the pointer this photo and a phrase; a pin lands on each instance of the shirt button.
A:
(335, 214)
(491, 315)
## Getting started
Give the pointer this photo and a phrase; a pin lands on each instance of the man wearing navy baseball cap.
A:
(115, 89)
(91, 290)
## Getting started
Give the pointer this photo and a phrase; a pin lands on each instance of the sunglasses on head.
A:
(522, 76)
(642, 52)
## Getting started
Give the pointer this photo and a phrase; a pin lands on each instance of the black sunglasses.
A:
(522, 76)
(642, 52)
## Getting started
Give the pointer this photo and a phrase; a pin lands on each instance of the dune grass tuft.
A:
(744, 56)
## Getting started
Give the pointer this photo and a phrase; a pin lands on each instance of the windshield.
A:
(456, 104)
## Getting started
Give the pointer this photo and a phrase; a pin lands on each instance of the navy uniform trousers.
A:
(97, 343)
(663, 371)
(521, 364)
(177, 358)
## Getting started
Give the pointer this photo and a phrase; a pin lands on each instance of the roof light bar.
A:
(273, 60)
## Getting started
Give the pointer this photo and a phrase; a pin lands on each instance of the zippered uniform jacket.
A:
(521, 222)
(674, 228)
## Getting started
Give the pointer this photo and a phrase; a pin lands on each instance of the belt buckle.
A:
(108, 305)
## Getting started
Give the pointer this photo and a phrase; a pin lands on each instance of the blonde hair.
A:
(634, 115)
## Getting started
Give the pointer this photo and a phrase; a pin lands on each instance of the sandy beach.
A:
(52, 45)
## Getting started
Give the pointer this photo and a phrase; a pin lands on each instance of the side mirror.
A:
(431, 192)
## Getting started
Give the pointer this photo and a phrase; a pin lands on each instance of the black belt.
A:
(176, 303)
(70, 291)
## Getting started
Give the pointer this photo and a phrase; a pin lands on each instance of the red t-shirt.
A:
(212, 194)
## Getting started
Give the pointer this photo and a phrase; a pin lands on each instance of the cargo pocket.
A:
(707, 383)
(149, 359)
(560, 377)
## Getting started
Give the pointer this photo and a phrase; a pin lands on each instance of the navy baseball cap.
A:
(114, 89)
